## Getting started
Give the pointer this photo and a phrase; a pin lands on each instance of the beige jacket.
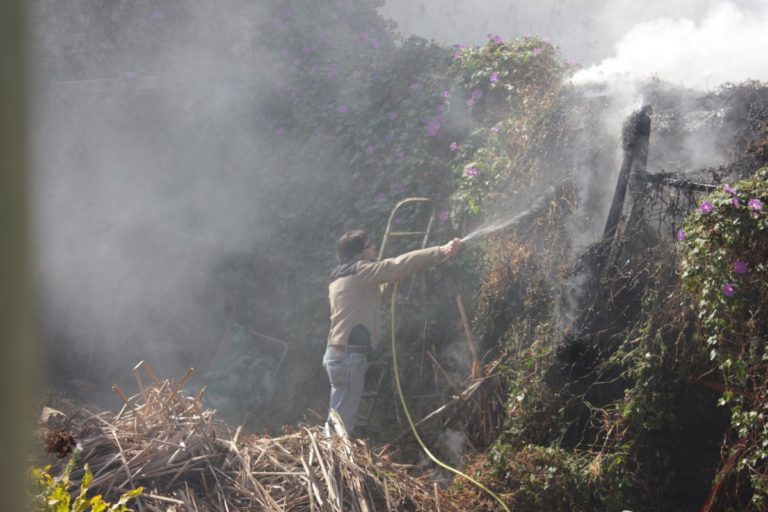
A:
(355, 293)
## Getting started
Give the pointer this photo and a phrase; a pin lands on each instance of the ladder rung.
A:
(407, 233)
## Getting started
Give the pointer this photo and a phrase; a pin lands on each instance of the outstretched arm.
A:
(397, 269)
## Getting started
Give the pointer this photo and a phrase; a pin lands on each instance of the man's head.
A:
(354, 245)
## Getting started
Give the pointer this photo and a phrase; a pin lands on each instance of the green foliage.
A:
(51, 494)
(512, 88)
(550, 478)
(723, 254)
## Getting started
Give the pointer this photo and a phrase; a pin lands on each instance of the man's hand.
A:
(451, 248)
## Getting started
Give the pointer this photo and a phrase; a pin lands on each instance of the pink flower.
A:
(470, 171)
(680, 235)
(477, 94)
(755, 204)
(433, 128)
(728, 290)
(706, 208)
(735, 201)
(369, 150)
(446, 94)
(494, 77)
(496, 128)
(740, 267)
(444, 215)
(454, 146)
(537, 51)
(729, 189)
(470, 103)
(457, 55)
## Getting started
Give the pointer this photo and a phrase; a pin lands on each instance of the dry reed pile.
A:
(163, 440)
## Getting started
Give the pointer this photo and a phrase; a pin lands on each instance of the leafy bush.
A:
(51, 494)
(724, 268)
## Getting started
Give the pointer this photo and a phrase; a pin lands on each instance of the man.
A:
(355, 293)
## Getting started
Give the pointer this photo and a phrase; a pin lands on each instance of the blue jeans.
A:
(346, 370)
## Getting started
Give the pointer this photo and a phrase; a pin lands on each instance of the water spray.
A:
(518, 218)
(482, 231)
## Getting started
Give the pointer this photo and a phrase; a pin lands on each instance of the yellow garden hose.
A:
(410, 420)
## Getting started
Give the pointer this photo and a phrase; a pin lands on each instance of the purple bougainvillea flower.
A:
(370, 150)
(446, 94)
(342, 109)
(729, 290)
(470, 103)
(729, 189)
(471, 171)
(706, 208)
(457, 55)
(477, 94)
(495, 38)
(392, 116)
(380, 197)
(680, 235)
(444, 215)
(454, 146)
(496, 128)
(433, 128)
(494, 77)
(755, 204)
(537, 51)
(740, 267)
(735, 201)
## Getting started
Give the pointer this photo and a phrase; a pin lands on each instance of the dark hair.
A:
(351, 244)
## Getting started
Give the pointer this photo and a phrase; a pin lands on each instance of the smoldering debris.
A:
(162, 439)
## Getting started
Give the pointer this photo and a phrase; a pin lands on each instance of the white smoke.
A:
(727, 45)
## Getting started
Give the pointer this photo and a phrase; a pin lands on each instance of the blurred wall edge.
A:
(17, 335)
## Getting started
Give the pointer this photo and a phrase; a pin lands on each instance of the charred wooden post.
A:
(578, 350)
(635, 139)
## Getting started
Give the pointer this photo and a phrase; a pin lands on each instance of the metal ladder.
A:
(378, 368)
